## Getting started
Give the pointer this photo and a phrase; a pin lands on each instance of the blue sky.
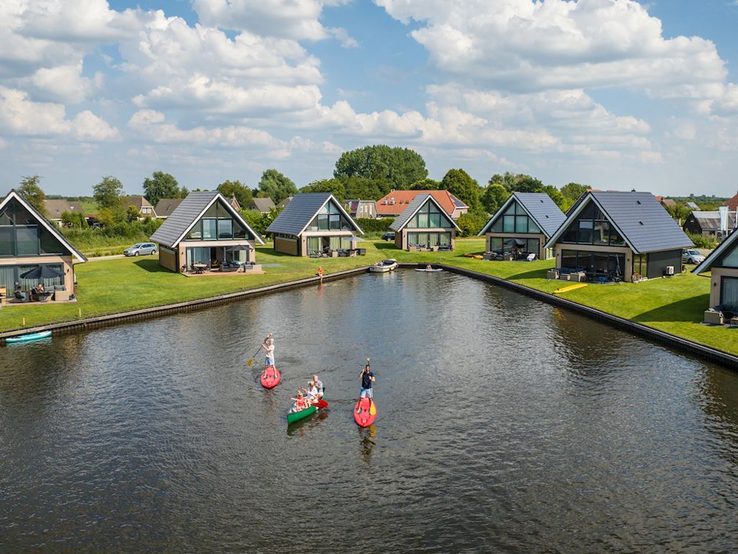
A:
(611, 93)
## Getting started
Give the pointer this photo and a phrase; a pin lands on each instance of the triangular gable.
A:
(42, 221)
(498, 214)
(337, 204)
(575, 214)
(229, 208)
(724, 247)
(410, 216)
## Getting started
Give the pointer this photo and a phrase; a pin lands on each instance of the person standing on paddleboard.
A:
(268, 347)
(367, 378)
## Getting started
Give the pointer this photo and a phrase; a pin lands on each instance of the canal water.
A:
(505, 425)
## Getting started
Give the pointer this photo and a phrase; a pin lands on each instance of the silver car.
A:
(692, 256)
(141, 249)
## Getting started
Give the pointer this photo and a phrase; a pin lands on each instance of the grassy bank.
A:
(673, 305)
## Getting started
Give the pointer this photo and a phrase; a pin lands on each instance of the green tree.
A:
(31, 191)
(160, 185)
(517, 183)
(235, 188)
(494, 197)
(258, 221)
(426, 184)
(361, 188)
(276, 186)
(556, 196)
(572, 191)
(107, 194)
(471, 223)
(679, 213)
(459, 183)
(334, 186)
(132, 214)
(397, 167)
(74, 220)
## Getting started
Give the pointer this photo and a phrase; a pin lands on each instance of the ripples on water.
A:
(504, 425)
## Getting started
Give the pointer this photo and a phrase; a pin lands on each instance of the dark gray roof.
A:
(544, 211)
(166, 206)
(413, 207)
(300, 212)
(645, 224)
(188, 213)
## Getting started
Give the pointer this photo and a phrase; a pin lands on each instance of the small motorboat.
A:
(365, 412)
(428, 269)
(310, 410)
(30, 337)
(385, 266)
(271, 377)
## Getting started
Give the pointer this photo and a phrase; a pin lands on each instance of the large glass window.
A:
(314, 245)
(597, 265)
(217, 224)
(730, 259)
(515, 220)
(729, 294)
(429, 217)
(21, 234)
(592, 227)
(329, 218)
(428, 240)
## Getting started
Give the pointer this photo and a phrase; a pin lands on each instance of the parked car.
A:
(692, 256)
(388, 236)
(140, 249)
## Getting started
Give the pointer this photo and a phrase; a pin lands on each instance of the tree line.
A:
(367, 173)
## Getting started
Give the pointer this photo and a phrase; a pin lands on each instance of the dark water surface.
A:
(504, 425)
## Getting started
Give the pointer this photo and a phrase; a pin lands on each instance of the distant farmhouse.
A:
(394, 203)
(56, 207)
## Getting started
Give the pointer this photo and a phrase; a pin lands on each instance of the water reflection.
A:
(507, 425)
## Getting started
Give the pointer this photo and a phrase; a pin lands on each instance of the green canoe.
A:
(297, 416)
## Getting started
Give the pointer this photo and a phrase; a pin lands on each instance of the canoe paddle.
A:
(251, 360)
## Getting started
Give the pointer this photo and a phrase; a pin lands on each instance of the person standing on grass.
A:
(268, 347)
(367, 378)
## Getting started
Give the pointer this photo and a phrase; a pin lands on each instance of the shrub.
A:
(701, 241)
(374, 225)
(471, 223)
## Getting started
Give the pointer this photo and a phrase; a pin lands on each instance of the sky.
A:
(615, 94)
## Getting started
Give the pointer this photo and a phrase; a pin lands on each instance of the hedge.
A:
(374, 225)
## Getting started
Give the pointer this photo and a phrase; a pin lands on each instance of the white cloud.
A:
(342, 36)
(64, 83)
(295, 19)
(152, 125)
(557, 44)
(21, 116)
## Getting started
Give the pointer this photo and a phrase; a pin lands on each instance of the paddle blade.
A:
(250, 362)
(373, 409)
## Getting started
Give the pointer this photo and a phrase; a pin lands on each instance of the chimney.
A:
(723, 218)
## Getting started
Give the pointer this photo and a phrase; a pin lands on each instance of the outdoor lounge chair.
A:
(531, 257)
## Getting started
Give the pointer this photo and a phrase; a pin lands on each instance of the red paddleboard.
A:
(365, 412)
(321, 404)
(270, 378)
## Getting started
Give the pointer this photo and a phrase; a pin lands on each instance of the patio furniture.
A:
(713, 317)
(531, 257)
(3, 292)
(334, 254)
(61, 294)
(199, 268)
(20, 295)
(552, 274)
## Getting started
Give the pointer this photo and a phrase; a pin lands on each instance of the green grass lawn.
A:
(674, 305)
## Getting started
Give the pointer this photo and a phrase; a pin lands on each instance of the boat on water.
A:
(271, 377)
(428, 269)
(385, 266)
(30, 337)
(310, 410)
(365, 412)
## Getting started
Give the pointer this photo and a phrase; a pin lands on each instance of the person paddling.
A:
(268, 347)
(367, 378)
(319, 386)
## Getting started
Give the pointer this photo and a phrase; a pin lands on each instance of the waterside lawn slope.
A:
(674, 305)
